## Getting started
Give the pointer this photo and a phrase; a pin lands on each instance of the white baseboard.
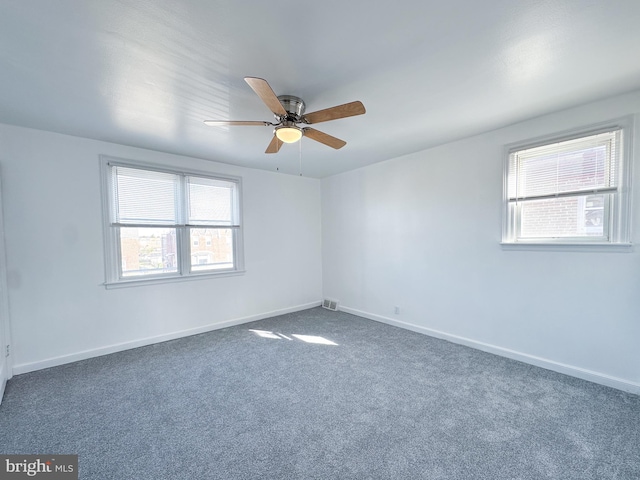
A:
(97, 352)
(589, 375)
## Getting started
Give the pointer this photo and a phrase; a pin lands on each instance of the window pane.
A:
(564, 172)
(211, 201)
(581, 216)
(582, 164)
(211, 249)
(148, 251)
(144, 196)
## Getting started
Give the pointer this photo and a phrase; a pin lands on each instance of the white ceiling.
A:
(148, 72)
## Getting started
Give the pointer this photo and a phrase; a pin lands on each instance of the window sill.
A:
(139, 282)
(568, 247)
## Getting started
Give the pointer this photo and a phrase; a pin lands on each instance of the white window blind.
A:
(211, 202)
(579, 166)
(144, 197)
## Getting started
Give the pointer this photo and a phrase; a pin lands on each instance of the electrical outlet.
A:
(396, 310)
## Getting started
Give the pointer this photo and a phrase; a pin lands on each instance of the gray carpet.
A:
(384, 403)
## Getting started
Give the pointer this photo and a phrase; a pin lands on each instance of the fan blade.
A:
(274, 146)
(218, 123)
(334, 113)
(264, 91)
(322, 137)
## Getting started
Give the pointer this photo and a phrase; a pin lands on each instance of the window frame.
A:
(112, 250)
(617, 209)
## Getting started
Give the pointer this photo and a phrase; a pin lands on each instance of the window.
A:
(155, 218)
(569, 191)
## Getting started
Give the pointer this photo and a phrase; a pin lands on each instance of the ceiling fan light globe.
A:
(288, 134)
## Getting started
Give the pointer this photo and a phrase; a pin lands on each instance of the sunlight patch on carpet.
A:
(305, 338)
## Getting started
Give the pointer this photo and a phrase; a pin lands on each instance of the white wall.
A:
(61, 312)
(422, 232)
(5, 366)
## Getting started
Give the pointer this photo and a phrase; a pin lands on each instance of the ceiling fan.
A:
(289, 112)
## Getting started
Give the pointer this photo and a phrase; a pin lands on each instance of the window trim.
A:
(112, 258)
(620, 211)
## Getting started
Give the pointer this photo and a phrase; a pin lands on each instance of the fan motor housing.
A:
(293, 105)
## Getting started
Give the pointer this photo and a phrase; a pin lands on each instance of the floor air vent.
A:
(330, 304)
